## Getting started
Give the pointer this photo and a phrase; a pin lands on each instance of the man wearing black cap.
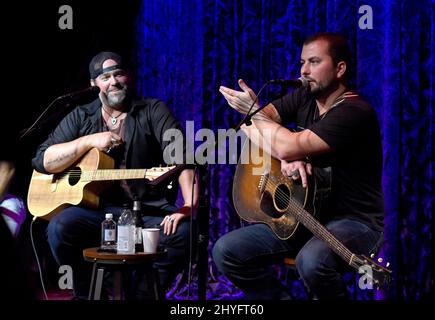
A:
(131, 131)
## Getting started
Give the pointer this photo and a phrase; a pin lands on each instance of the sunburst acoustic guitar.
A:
(261, 193)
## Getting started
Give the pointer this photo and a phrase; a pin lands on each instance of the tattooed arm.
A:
(60, 156)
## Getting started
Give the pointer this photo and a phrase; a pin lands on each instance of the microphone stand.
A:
(38, 124)
(203, 221)
(247, 119)
(54, 117)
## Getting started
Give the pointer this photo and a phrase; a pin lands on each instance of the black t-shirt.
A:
(351, 129)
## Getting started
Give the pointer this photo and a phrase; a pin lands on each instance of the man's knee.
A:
(62, 230)
(180, 239)
(220, 252)
(307, 265)
(55, 232)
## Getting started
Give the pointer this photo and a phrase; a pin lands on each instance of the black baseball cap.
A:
(96, 64)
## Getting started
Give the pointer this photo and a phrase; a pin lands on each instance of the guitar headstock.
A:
(158, 175)
(373, 274)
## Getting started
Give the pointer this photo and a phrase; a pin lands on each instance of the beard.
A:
(320, 90)
(114, 99)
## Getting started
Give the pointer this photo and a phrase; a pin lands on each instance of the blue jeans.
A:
(76, 228)
(246, 256)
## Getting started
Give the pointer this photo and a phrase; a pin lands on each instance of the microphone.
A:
(300, 82)
(77, 95)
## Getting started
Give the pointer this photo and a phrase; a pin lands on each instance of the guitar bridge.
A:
(262, 183)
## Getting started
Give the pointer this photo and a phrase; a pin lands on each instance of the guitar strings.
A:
(316, 226)
(107, 173)
(79, 173)
(354, 260)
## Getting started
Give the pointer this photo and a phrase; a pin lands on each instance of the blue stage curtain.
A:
(187, 49)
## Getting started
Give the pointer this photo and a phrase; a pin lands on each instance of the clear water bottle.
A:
(126, 230)
(108, 233)
(137, 207)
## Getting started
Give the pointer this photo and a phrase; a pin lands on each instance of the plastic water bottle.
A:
(108, 233)
(137, 206)
(126, 230)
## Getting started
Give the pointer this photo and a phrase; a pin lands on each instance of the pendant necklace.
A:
(113, 120)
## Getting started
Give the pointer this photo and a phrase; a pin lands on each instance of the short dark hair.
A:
(338, 47)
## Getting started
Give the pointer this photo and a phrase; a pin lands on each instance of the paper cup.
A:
(150, 237)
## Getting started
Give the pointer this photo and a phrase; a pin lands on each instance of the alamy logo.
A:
(366, 20)
(366, 280)
(66, 280)
(66, 20)
(223, 149)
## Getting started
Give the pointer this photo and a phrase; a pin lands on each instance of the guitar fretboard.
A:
(113, 174)
(321, 232)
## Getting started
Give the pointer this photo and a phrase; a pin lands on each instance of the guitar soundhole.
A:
(282, 196)
(74, 176)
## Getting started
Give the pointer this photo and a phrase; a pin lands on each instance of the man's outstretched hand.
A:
(240, 100)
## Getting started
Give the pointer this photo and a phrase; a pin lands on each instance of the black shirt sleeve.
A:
(167, 130)
(162, 119)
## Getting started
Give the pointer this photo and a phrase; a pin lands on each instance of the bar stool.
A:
(141, 261)
(290, 266)
(350, 277)
(291, 275)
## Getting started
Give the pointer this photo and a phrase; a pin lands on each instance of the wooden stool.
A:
(289, 261)
(116, 261)
(291, 274)
(290, 266)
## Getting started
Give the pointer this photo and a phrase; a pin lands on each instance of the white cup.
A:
(150, 238)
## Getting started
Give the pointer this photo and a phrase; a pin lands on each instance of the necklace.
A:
(113, 120)
(337, 101)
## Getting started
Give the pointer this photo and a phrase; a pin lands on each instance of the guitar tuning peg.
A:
(169, 185)
(372, 255)
(387, 265)
(380, 260)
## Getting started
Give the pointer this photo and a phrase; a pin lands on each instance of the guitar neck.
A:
(321, 232)
(114, 174)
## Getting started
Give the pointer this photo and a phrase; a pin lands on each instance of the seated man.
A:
(340, 131)
(131, 131)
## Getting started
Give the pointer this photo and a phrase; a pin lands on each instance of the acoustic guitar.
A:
(82, 183)
(261, 193)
